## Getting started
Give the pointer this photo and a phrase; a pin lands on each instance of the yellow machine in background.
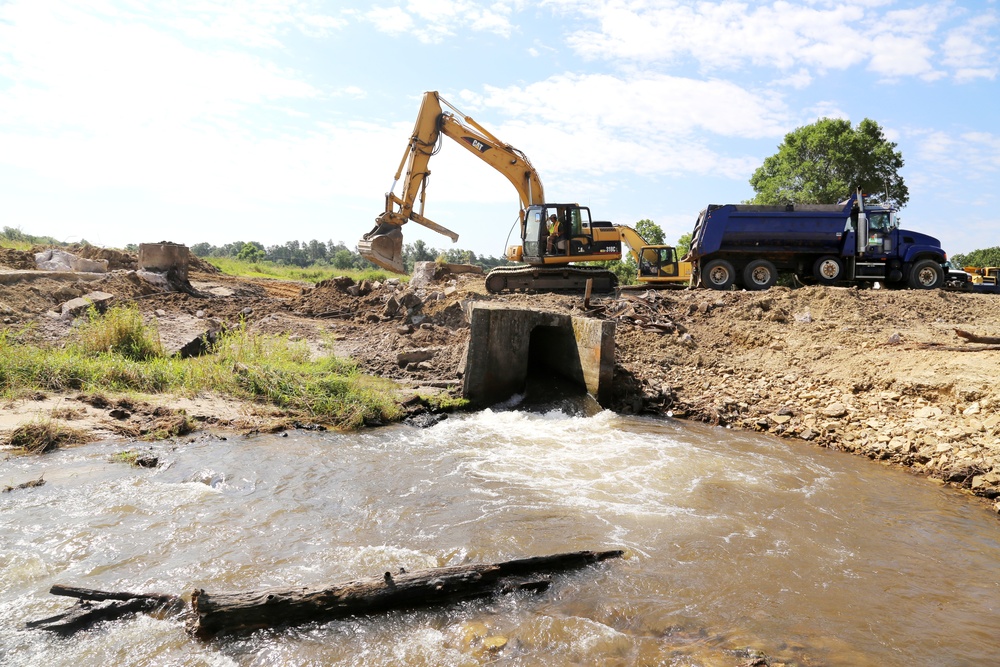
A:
(658, 264)
(986, 275)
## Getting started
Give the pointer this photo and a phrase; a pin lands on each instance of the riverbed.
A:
(737, 544)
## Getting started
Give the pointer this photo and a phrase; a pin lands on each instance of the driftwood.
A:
(973, 338)
(224, 613)
(94, 606)
(25, 485)
(240, 612)
(986, 343)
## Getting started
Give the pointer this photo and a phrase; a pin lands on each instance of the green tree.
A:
(981, 258)
(683, 245)
(417, 252)
(316, 250)
(251, 252)
(202, 249)
(824, 162)
(343, 259)
(650, 231)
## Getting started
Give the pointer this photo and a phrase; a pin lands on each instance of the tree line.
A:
(336, 254)
(979, 258)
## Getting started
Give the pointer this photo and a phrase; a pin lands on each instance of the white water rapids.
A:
(734, 541)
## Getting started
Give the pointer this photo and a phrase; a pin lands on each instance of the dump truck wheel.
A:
(719, 274)
(828, 270)
(926, 274)
(759, 274)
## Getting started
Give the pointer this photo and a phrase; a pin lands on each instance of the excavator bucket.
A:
(384, 246)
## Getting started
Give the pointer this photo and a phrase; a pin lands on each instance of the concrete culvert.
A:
(508, 347)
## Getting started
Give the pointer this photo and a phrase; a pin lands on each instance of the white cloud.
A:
(432, 21)
(967, 49)
(798, 80)
(955, 157)
(650, 124)
(898, 56)
(390, 20)
(118, 77)
(815, 35)
(726, 34)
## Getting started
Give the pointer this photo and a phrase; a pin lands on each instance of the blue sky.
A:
(131, 121)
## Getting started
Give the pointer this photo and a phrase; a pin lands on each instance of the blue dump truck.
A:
(829, 244)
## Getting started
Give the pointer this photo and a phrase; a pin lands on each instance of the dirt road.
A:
(875, 372)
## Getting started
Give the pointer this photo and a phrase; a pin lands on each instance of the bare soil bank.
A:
(875, 372)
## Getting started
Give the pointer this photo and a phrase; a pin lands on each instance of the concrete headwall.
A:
(162, 257)
(506, 344)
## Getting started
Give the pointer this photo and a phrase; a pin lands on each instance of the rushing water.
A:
(734, 542)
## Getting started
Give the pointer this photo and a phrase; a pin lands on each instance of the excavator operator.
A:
(555, 230)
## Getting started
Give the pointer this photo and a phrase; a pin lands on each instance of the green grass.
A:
(120, 331)
(117, 353)
(15, 245)
(243, 269)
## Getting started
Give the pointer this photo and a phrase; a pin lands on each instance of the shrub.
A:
(120, 331)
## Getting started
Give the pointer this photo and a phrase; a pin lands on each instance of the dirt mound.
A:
(18, 260)
(118, 260)
(196, 263)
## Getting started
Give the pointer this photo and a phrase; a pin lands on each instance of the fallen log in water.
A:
(238, 612)
(110, 605)
(223, 613)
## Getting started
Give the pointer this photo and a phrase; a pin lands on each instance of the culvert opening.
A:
(554, 370)
(514, 350)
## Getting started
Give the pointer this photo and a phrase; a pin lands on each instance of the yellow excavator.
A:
(658, 264)
(550, 261)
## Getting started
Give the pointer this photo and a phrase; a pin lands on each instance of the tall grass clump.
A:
(280, 371)
(118, 352)
(120, 331)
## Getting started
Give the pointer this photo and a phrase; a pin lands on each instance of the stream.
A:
(736, 543)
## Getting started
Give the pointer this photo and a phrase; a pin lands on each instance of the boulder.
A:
(415, 356)
(835, 410)
(74, 307)
(187, 336)
(60, 260)
(423, 274)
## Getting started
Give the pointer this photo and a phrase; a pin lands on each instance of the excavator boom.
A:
(383, 245)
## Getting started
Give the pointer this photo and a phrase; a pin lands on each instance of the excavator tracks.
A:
(538, 279)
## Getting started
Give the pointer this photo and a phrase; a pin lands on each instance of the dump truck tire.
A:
(760, 274)
(926, 274)
(719, 274)
(828, 269)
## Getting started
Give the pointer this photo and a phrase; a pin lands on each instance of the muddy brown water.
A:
(735, 543)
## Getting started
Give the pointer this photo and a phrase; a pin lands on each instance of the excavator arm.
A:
(633, 240)
(383, 245)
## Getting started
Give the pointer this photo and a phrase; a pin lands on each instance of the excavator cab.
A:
(578, 238)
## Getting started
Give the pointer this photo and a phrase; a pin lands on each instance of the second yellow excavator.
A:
(553, 236)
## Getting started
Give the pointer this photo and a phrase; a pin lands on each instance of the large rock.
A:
(60, 260)
(835, 410)
(416, 355)
(423, 274)
(74, 307)
(187, 336)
